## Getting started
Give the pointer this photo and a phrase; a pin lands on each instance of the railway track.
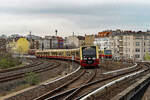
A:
(136, 91)
(83, 78)
(21, 72)
(112, 90)
(82, 90)
(79, 86)
(32, 63)
(55, 73)
(71, 92)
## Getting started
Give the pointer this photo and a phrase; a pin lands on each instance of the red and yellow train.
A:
(31, 51)
(105, 54)
(85, 55)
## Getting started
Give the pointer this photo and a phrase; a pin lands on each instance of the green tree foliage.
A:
(147, 56)
(31, 78)
(7, 61)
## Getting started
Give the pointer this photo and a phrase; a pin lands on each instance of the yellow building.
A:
(89, 39)
(22, 46)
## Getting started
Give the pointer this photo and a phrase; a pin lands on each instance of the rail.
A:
(120, 69)
(94, 93)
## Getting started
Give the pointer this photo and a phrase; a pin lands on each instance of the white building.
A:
(72, 42)
(44, 43)
(130, 45)
(3, 37)
(102, 42)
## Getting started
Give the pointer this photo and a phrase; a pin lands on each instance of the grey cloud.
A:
(86, 16)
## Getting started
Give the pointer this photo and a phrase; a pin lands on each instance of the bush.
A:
(4, 63)
(31, 78)
(7, 62)
(147, 56)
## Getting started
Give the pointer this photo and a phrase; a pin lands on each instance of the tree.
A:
(147, 56)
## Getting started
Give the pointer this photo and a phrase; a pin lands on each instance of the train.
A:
(85, 55)
(31, 51)
(105, 54)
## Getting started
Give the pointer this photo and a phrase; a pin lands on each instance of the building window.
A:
(149, 44)
(137, 56)
(125, 43)
(138, 37)
(137, 50)
(137, 43)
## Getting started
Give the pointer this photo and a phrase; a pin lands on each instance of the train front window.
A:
(107, 52)
(89, 51)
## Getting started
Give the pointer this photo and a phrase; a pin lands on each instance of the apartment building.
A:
(74, 41)
(129, 45)
(89, 39)
(102, 42)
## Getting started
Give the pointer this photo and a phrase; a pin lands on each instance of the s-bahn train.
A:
(105, 54)
(85, 55)
(31, 51)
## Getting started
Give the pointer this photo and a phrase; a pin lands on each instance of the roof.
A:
(81, 37)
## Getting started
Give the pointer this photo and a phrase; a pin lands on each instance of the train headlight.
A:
(93, 58)
(85, 58)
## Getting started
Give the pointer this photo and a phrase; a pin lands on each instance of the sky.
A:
(43, 17)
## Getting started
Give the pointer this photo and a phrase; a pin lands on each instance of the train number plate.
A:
(89, 62)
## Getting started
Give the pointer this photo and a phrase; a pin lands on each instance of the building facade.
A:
(130, 45)
(102, 40)
(89, 39)
(72, 42)
(51, 42)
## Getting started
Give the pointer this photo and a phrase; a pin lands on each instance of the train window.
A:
(89, 51)
(68, 53)
(77, 54)
(60, 53)
(107, 52)
(49, 53)
(45, 53)
(72, 52)
(54, 53)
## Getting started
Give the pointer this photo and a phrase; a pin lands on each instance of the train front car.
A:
(89, 56)
(108, 54)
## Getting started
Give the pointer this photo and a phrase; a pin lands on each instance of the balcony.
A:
(120, 46)
(120, 52)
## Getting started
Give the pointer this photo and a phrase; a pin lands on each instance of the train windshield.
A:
(107, 52)
(89, 51)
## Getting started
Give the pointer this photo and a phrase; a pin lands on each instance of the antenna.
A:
(56, 32)
(30, 36)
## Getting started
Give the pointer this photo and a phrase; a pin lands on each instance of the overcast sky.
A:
(42, 17)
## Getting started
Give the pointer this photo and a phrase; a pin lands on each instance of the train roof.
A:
(47, 50)
(89, 46)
